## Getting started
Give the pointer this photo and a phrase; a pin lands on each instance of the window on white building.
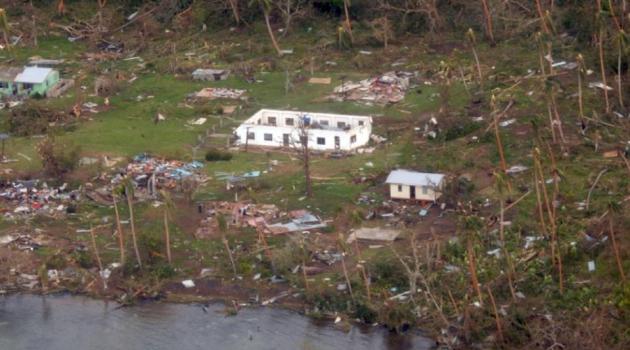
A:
(361, 123)
(425, 190)
(268, 137)
(251, 136)
(399, 188)
(353, 138)
(271, 120)
(323, 122)
(289, 121)
(341, 125)
(321, 141)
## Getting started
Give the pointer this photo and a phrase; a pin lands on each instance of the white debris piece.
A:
(600, 85)
(515, 169)
(507, 123)
(188, 283)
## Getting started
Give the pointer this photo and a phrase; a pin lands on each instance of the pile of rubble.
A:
(265, 217)
(24, 242)
(386, 88)
(150, 174)
(214, 93)
(28, 197)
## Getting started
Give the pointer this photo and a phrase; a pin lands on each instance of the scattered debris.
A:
(301, 220)
(29, 197)
(387, 88)
(324, 81)
(214, 93)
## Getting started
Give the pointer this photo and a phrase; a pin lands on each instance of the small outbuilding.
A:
(36, 80)
(406, 184)
(7, 81)
(211, 74)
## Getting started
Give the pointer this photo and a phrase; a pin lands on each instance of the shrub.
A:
(31, 119)
(163, 271)
(58, 158)
(215, 155)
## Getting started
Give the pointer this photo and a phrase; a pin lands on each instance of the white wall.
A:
(258, 125)
(433, 193)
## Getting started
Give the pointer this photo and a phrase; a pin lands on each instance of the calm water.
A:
(70, 322)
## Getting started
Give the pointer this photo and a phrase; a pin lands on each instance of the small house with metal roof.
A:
(407, 184)
(36, 80)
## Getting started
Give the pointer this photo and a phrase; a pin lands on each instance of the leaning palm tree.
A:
(348, 25)
(168, 206)
(129, 193)
(265, 6)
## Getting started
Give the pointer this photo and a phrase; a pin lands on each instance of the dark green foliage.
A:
(83, 258)
(461, 130)
(56, 262)
(58, 158)
(163, 271)
(365, 312)
(216, 155)
(387, 271)
(30, 119)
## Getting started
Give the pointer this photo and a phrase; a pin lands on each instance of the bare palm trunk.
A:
(226, 243)
(167, 237)
(98, 258)
(472, 268)
(345, 274)
(616, 248)
(619, 75)
(133, 227)
(488, 16)
(478, 64)
(270, 31)
(580, 60)
(348, 24)
(600, 44)
(307, 173)
(235, 11)
(121, 238)
(543, 18)
(496, 314)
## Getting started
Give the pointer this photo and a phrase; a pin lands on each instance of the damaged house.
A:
(36, 81)
(27, 81)
(326, 131)
(8, 87)
(406, 184)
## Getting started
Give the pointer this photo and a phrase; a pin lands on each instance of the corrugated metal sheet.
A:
(414, 178)
(33, 75)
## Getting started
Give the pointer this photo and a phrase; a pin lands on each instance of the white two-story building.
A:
(326, 131)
